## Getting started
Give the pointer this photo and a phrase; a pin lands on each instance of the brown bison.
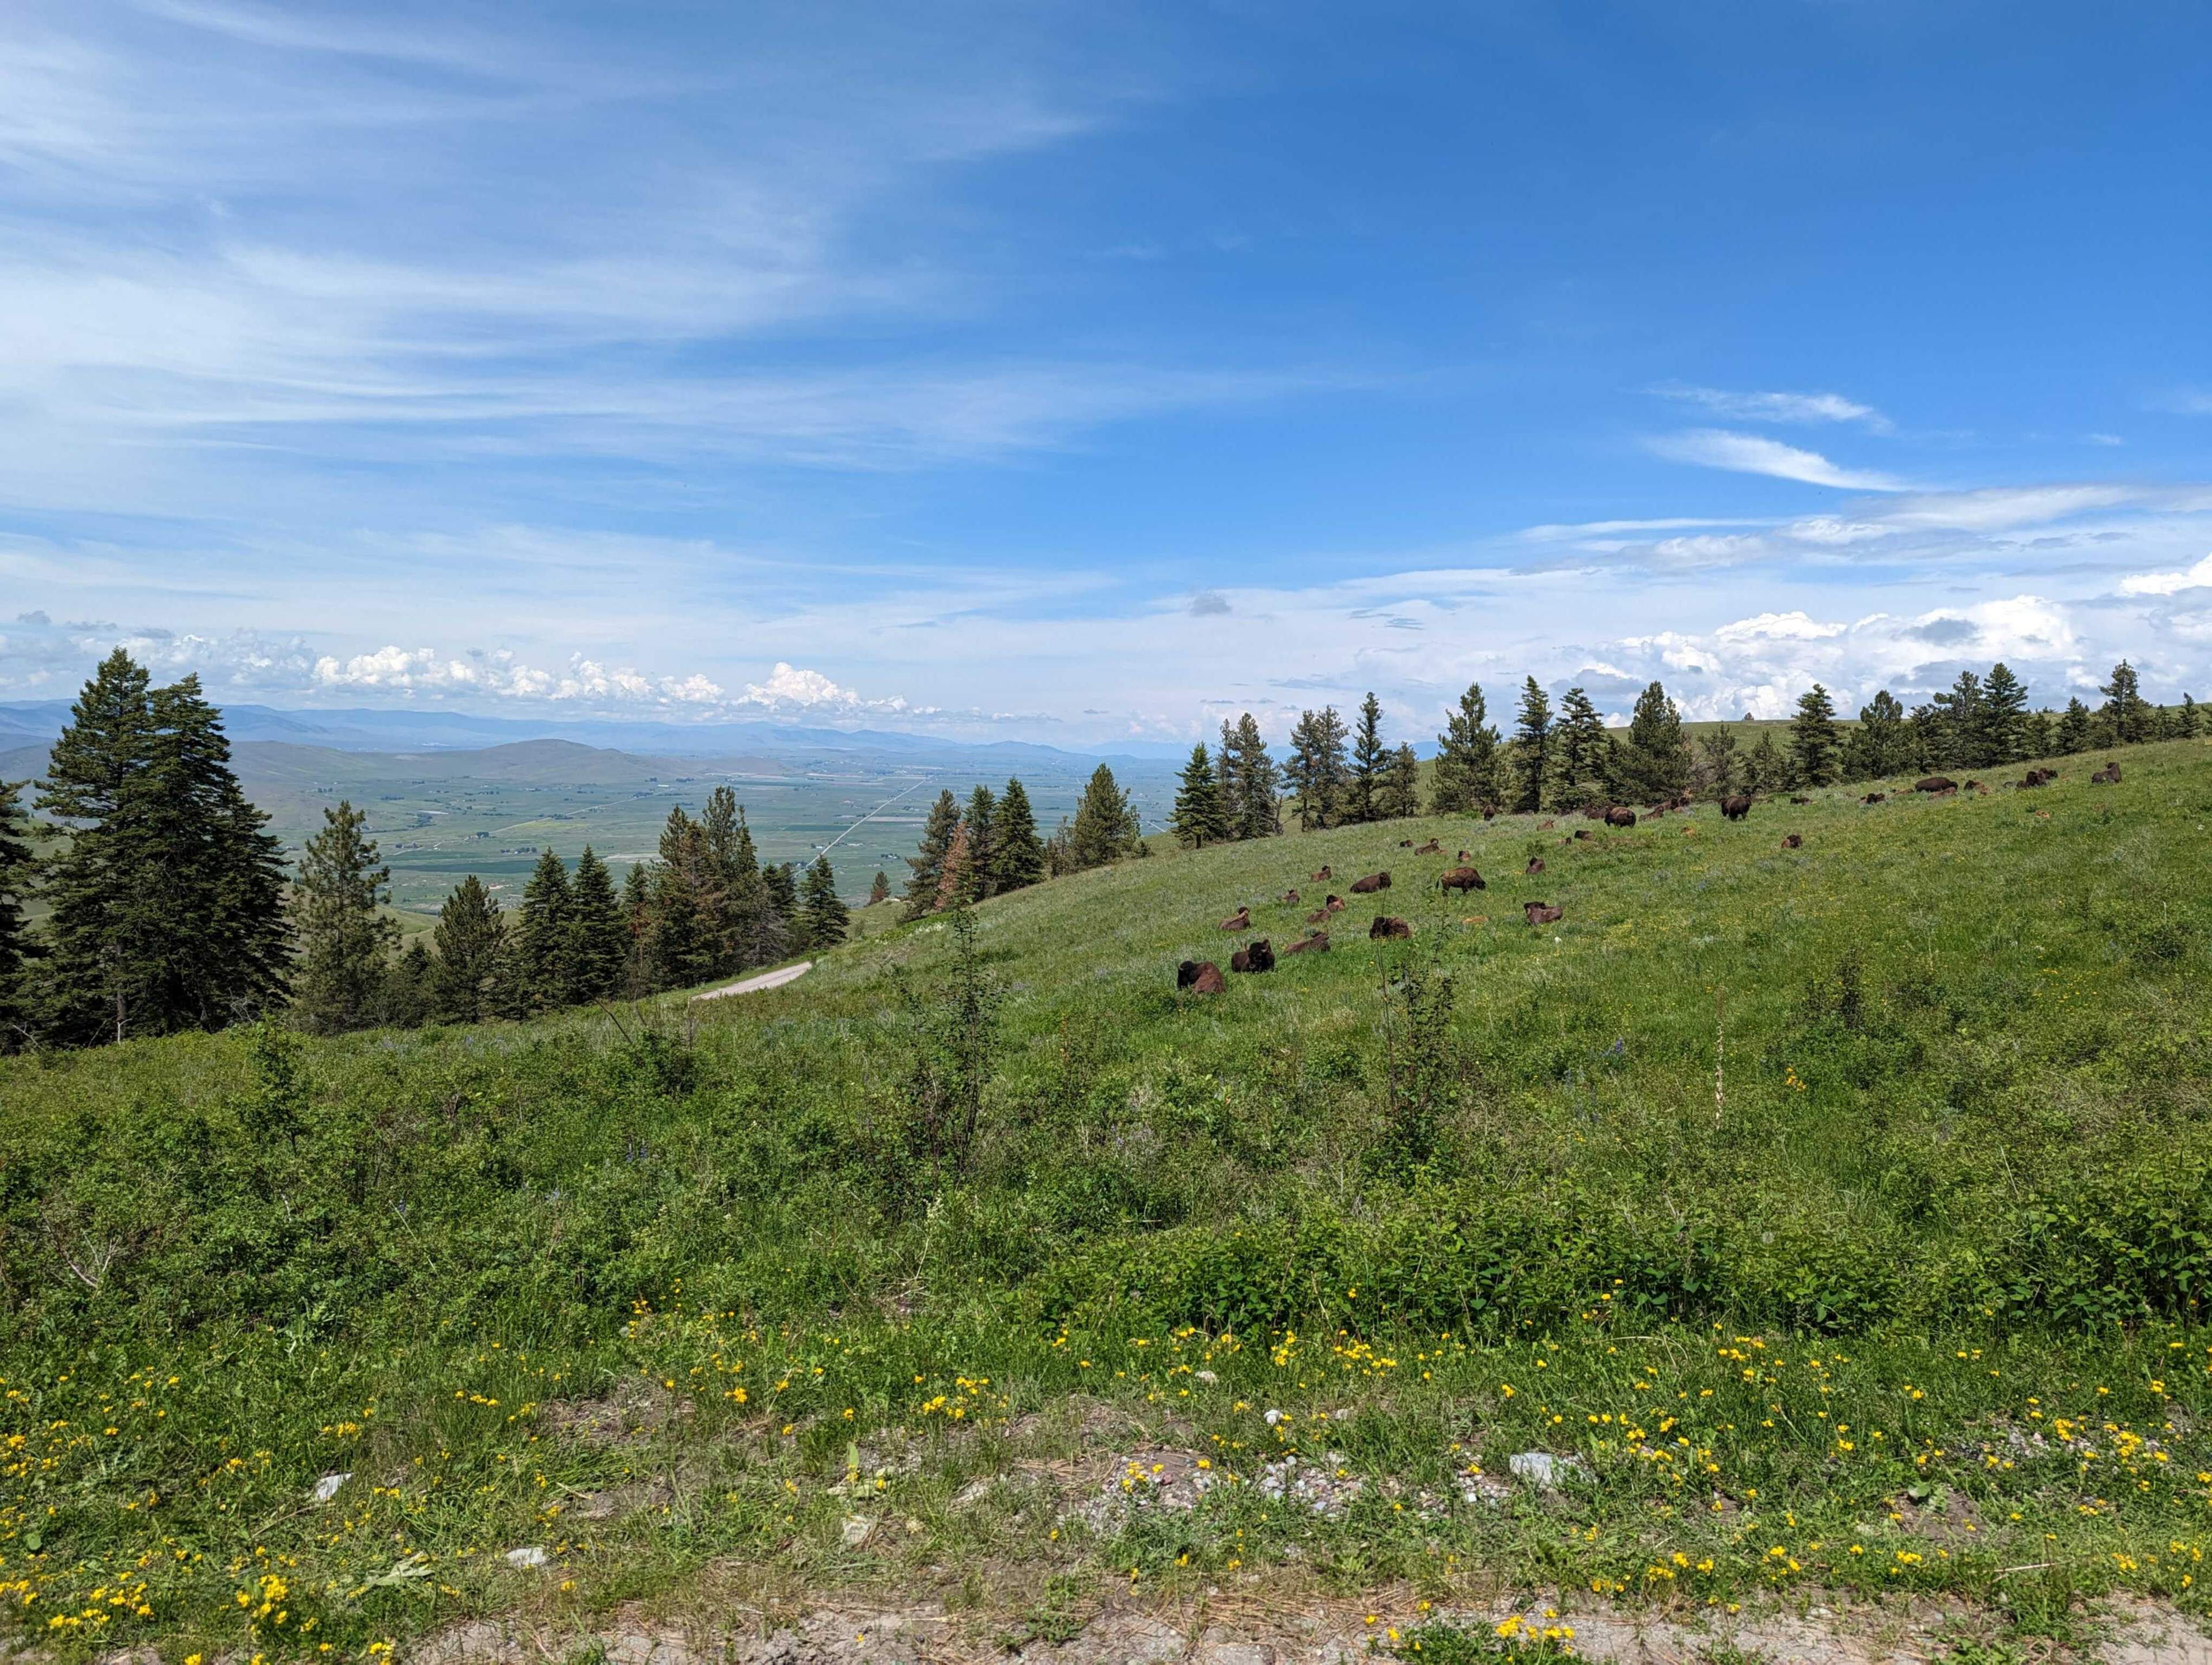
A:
(1462, 878)
(1333, 905)
(2038, 777)
(1584, 832)
(1935, 783)
(1873, 798)
(1239, 920)
(1369, 885)
(1201, 977)
(1466, 856)
(1387, 926)
(1620, 816)
(1291, 897)
(1595, 811)
(1490, 815)
(1799, 798)
(1793, 841)
(2107, 776)
(1545, 825)
(1314, 942)
(1319, 916)
(1430, 848)
(1736, 805)
(1405, 843)
(1539, 913)
(1258, 955)
(1535, 865)
(1323, 876)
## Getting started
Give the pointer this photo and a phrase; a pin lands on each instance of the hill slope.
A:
(1799, 1196)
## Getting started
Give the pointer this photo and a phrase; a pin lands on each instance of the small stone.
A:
(1543, 1470)
(327, 1488)
(1207, 1376)
(1274, 1417)
(856, 1530)
(533, 1556)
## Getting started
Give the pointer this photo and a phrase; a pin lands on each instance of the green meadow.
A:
(1835, 1219)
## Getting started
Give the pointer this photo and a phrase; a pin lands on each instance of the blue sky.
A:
(1079, 373)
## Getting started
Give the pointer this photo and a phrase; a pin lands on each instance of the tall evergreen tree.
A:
(468, 986)
(1582, 754)
(1250, 780)
(637, 927)
(545, 938)
(2004, 718)
(1315, 771)
(1718, 770)
(781, 882)
(1532, 748)
(1400, 794)
(2073, 731)
(929, 865)
(1199, 817)
(824, 917)
(1017, 856)
(18, 869)
(2040, 738)
(2127, 714)
(409, 997)
(1468, 781)
(982, 818)
(1655, 764)
(727, 885)
(1105, 827)
(345, 941)
(1964, 742)
(1812, 741)
(599, 936)
(1876, 746)
(880, 891)
(1764, 768)
(2190, 717)
(1370, 758)
(683, 945)
(952, 882)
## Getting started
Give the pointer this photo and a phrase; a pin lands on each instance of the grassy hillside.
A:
(1842, 1212)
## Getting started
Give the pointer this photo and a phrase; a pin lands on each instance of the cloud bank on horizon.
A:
(1083, 379)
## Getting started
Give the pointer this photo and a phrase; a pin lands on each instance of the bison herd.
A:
(1204, 977)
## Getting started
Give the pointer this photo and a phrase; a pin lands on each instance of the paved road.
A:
(766, 980)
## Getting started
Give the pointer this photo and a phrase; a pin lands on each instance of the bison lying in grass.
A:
(1258, 955)
(1387, 926)
(1201, 977)
(1369, 885)
(1538, 913)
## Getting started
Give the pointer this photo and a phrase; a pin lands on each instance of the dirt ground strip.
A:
(1246, 1631)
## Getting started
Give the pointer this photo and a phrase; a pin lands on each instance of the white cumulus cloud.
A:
(2195, 578)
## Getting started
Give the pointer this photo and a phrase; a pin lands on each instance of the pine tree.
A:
(2073, 732)
(546, 940)
(826, 919)
(1249, 781)
(952, 882)
(981, 819)
(472, 964)
(1655, 764)
(2040, 738)
(1813, 739)
(2189, 717)
(779, 881)
(1582, 754)
(1963, 744)
(1400, 794)
(1718, 768)
(727, 885)
(599, 936)
(1315, 771)
(18, 870)
(1200, 817)
(1105, 825)
(682, 946)
(637, 928)
(408, 997)
(1876, 746)
(2004, 718)
(879, 891)
(345, 941)
(1532, 745)
(1468, 776)
(1764, 769)
(1369, 757)
(2126, 713)
(1018, 858)
(929, 865)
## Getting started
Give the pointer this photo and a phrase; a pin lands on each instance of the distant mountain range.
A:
(36, 723)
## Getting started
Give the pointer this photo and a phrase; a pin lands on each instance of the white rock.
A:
(1207, 1376)
(533, 1556)
(856, 1530)
(1543, 1469)
(1274, 1417)
(327, 1488)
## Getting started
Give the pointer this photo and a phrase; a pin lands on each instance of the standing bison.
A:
(1462, 878)
(1937, 783)
(1736, 805)
(1620, 816)
(1369, 885)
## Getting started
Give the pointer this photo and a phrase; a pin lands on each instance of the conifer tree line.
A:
(1565, 758)
(987, 847)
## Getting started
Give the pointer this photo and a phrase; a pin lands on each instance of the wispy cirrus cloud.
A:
(1754, 453)
(1777, 407)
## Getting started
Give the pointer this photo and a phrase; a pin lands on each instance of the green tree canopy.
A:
(345, 941)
